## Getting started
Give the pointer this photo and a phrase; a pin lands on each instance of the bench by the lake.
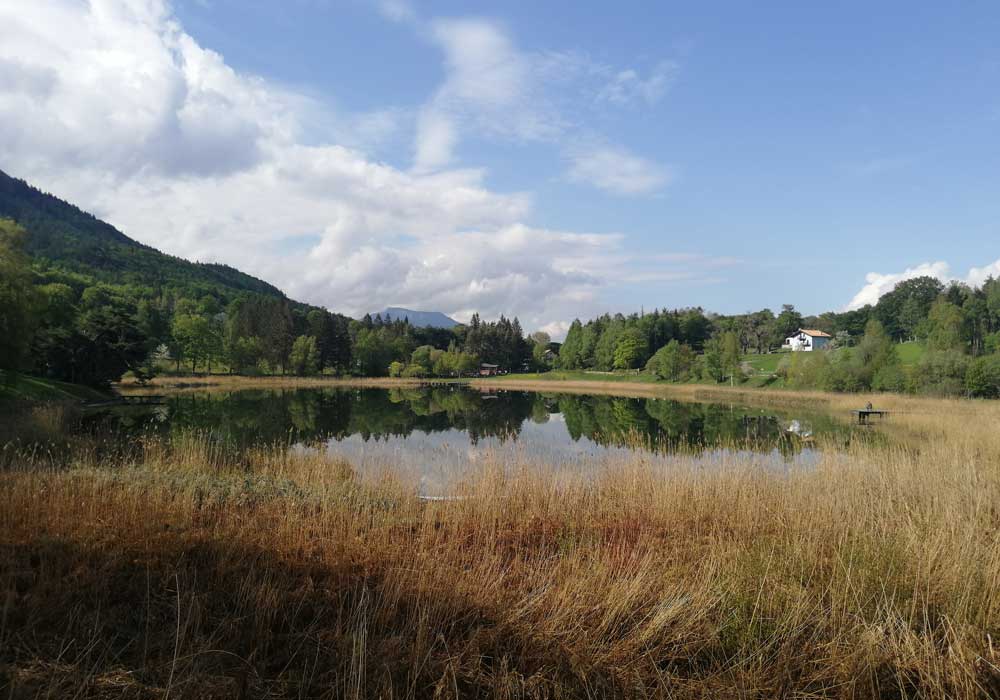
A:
(865, 414)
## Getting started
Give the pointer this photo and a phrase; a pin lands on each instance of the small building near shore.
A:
(805, 340)
(488, 370)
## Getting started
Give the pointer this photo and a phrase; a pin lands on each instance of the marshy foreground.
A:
(170, 566)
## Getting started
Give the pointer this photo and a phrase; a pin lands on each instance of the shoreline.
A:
(699, 393)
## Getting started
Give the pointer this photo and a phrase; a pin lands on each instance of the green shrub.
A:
(941, 373)
(673, 362)
(982, 379)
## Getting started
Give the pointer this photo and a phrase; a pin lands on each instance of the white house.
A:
(807, 340)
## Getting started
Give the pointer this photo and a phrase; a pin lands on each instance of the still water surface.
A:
(435, 432)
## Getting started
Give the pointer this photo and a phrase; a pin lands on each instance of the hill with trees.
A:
(81, 302)
(63, 238)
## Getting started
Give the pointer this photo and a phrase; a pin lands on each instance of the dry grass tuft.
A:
(180, 569)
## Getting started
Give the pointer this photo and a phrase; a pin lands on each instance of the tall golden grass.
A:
(182, 569)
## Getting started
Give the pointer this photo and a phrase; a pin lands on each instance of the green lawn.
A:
(765, 364)
(24, 387)
(910, 353)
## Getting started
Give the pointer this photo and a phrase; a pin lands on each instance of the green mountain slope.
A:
(64, 237)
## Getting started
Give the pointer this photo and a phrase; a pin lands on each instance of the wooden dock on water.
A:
(133, 400)
(865, 414)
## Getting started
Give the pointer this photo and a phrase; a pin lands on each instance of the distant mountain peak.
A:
(423, 319)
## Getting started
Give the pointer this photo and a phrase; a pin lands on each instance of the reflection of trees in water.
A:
(665, 425)
(260, 416)
(499, 415)
(268, 416)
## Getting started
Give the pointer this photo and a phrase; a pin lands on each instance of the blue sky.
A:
(549, 160)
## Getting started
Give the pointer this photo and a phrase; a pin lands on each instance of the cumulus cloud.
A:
(112, 105)
(118, 86)
(616, 170)
(557, 330)
(978, 275)
(877, 283)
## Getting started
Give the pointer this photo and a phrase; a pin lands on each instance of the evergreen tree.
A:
(571, 350)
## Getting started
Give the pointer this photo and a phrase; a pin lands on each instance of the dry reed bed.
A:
(190, 572)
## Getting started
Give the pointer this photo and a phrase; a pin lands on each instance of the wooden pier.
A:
(133, 400)
(865, 414)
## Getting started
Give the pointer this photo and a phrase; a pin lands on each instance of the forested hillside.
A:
(82, 302)
(63, 237)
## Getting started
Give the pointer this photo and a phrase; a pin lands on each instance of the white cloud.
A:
(557, 330)
(484, 68)
(494, 89)
(877, 283)
(436, 139)
(978, 275)
(628, 86)
(491, 88)
(113, 106)
(618, 171)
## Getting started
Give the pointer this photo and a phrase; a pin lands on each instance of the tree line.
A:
(957, 325)
(71, 326)
(68, 325)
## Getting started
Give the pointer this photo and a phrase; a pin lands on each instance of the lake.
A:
(436, 432)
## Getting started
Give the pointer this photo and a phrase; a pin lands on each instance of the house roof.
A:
(815, 334)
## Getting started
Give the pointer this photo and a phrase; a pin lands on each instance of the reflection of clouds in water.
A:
(436, 464)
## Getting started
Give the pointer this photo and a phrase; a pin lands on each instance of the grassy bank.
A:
(235, 382)
(722, 393)
(178, 569)
(23, 387)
